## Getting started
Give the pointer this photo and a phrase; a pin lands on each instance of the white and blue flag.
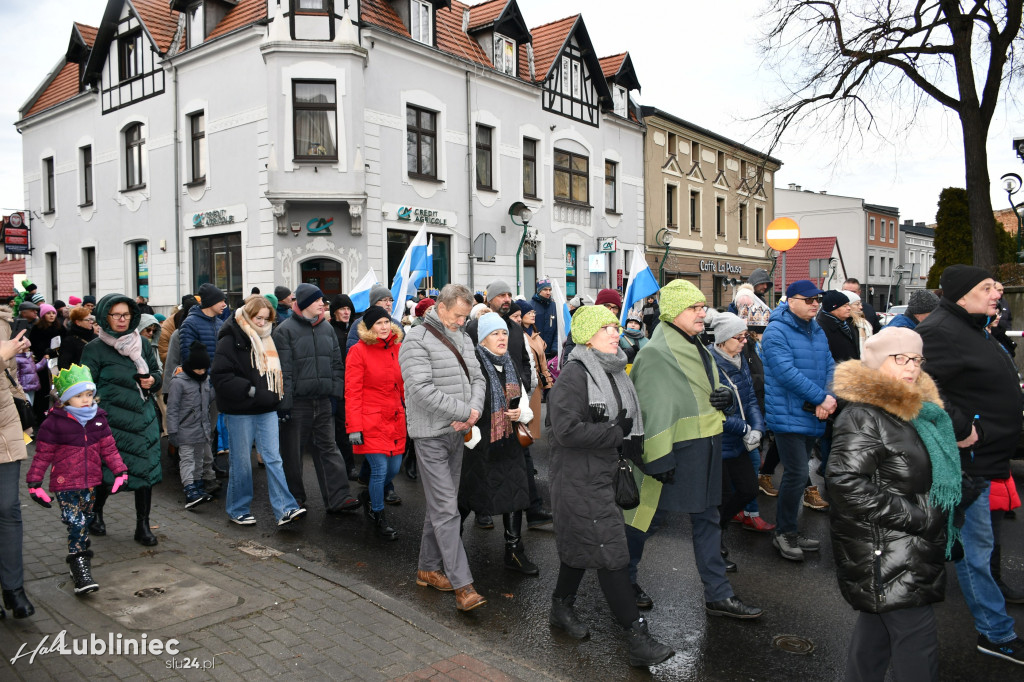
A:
(361, 291)
(642, 283)
(415, 265)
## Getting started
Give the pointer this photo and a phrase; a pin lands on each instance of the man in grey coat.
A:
(313, 372)
(444, 396)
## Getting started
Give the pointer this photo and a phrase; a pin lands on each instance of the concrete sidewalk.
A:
(238, 608)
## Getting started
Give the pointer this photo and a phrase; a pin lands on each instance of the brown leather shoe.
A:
(435, 579)
(467, 599)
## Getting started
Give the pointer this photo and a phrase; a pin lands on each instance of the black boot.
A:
(410, 465)
(18, 603)
(644, 650)
(515, 553)
(81, 572)
(564, 617)
(143, 502)
(384, 530)
(364, 499)
(96, 526)
(1011, 595)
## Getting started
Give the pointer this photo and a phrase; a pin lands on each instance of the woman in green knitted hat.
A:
(594, 415)
(894, 479)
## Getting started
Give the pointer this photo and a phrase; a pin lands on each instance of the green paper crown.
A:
(75, 374)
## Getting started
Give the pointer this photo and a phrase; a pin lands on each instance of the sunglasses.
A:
(809, 299)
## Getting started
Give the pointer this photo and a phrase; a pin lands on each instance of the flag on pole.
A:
(642, 283)
(361, 291)
(416, 255)
(563, 321)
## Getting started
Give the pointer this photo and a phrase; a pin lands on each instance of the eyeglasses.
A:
(612, 307)
(611, 329)
(698, 308)
(386, 300)
(742, 338)
(119, 316)
(810, 299)
(902, 359)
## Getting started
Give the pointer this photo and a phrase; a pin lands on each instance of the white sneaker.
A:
(244, 520)
(291, 515)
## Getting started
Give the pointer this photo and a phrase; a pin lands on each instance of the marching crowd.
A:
(907, 429)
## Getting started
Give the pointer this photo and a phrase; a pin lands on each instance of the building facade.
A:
(918, 255)
(250, 143)
(708, 203)
(886, 274)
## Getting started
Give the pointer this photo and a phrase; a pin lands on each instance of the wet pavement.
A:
(801, 600)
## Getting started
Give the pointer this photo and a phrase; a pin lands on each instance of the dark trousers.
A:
(739, 486)
(795, 453)
(536, 503)
(707, 551)
(11, 569)
(615, 585)
(341, 435)
(311, 427)
(906, 638)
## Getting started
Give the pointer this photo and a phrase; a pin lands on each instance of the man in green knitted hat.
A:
(681, 400)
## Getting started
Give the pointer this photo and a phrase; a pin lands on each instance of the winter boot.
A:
(96, 526)
(364, 499)
(143, 503)
(644, 650)
(564, 617)
(1011, 595)
(17, 601)
(515, 553)
(195, 495)
(81, 572)
(384, 530)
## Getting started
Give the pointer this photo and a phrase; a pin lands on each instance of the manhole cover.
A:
(792, 644)
(257, 550)
(149, 592)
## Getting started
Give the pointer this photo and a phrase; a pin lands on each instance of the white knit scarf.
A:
(130, 346)
(264, 353)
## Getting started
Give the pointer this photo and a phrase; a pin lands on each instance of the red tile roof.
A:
(88, 33)
(611, 65)
(8, 269)
(244, 13)
(379, 13)
(452, 39)
(798, 259)
(63, 87)
(547, 44)
(160, 20)
(486, 12)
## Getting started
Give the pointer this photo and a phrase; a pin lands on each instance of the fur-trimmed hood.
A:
(369, 338)
(855, 382)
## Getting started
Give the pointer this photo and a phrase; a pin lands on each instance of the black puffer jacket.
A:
(976, 377)
(310, 359)
(233, 375)
(73, 344)
(888, 540)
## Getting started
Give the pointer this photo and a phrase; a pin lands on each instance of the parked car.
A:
(892, 312)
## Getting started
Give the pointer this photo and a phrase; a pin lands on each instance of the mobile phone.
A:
(513, 404)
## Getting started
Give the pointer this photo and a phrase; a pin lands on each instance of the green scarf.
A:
(935, 428)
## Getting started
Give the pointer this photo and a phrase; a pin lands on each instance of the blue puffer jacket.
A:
(547, 322)
(902, 320)
(198, 326)
(735, 424)
(797, 369)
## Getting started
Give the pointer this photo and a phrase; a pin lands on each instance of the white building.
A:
(252, 143)
(918, 254)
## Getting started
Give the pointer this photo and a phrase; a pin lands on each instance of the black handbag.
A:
(25, 413)
(627, 495)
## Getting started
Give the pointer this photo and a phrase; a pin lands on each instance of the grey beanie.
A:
(726, 326)
(922, 302)
(759, 276)
(497, 288)
(378, 292)
(282, 292)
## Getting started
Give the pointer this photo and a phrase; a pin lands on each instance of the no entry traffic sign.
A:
(782, 234)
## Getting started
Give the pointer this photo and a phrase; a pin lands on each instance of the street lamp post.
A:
(520, 209)
(1012, 184)
(665, 237)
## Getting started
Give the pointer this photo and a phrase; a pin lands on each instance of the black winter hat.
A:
(198, 358)
(306, 295)
(373, 314)
(88, 299)
(957, 280)
(340, 301)
(187, 301)
(282, 292)
(209, 295)
(831, 300)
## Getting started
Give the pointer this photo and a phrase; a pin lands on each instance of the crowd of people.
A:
(907, 431)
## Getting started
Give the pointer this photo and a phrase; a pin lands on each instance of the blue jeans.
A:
(975, 575)
(755, 461)
(244, 429)
(222, 433)
(382, 470)
(794, 453)
(11, 569)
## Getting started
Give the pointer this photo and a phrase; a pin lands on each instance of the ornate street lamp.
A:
(520, 210)
(1012, 184)
(664, 237)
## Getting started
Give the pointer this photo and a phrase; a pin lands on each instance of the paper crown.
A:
(72, 381)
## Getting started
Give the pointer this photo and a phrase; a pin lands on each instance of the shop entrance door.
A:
(324, 273)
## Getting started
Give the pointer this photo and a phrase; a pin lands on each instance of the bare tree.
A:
(843, 60)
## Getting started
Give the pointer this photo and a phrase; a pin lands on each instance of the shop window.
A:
(218, 259)
(324, 273)
(398, 244)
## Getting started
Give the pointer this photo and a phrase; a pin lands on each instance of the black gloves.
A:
(633, 450)
(665, 477)
(624, 423)
(721, 398)
(284, 415)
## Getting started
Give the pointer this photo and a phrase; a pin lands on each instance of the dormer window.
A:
(620, 99)
(196, 31)
(313, 6)
(129, 55)
(505, 55)
(421, 15)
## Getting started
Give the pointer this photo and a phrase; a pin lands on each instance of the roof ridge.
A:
(557, 21)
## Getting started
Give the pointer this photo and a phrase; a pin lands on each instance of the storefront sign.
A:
(219, 216)
(417, 214)
(320, 226)
(720, 266)
(15, 234)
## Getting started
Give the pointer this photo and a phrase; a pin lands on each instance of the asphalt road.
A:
(800, 600)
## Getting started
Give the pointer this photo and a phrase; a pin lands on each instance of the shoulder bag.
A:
(25, 414)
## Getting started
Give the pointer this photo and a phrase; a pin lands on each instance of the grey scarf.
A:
(602, 370)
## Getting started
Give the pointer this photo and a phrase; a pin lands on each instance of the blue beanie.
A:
(525, 306)
(489, 322)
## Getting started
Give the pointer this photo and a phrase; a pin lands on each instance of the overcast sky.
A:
(697, 60)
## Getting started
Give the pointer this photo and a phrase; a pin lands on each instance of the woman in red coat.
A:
(374, 411)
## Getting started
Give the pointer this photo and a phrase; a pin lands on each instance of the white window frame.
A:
(871, 228)
(505, 66)
(620, 97)
(420, 32)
